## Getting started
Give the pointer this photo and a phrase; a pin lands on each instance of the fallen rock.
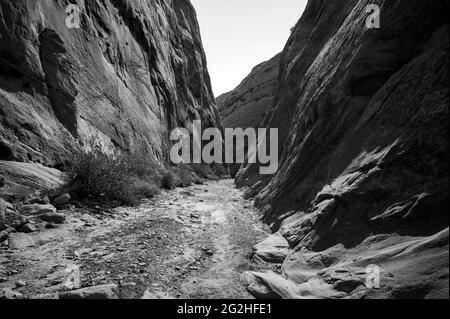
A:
(274, 249)
(23, 179)
(62, 200)
(89, 219)
(53, 218)
(14, 219)
(8, 293)
(66, 207)
(27, 228)
(5, 233)
(50, 226)
(256, 287)
(17, 241)
(37, 209)
(39, 200)
(108, 291)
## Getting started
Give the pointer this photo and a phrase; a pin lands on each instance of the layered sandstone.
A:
(363, 177)
(132, 71)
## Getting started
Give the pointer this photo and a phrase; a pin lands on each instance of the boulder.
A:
(61, 200)
(274, 249)
(9, 217)
(18, 241)
(51, 226)
(256, 287)
(8, 293)
(53, 218)
(27, 228)
(4, 234)
(66, 207)
(15, 219)
(108, 291)
(39, 200)
(24, 179)
(37, 209)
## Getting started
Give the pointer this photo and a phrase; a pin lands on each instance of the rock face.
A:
(363, 178)
(22, 179)
(132, 71)
(246, 106)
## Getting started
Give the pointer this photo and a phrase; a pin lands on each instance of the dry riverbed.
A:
(187, 243)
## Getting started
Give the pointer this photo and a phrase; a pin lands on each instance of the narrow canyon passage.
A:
(193, 242)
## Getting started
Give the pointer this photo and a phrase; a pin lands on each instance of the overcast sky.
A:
(239, 34)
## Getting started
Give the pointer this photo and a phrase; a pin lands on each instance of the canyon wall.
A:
(363, 178)
(132, 71)
(246, 106)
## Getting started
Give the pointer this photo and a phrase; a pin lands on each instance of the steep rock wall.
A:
(131, 73)
(246, 106)
(363, 176)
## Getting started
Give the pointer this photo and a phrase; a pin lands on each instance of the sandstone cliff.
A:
(363, 176)
(132, 71)
(246, 106)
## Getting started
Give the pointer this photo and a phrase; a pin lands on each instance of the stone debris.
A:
(107, 291)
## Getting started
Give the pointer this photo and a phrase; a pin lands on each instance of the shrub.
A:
(127, 179)
(168, 181)
(145, 169)
(221, 170)
(203, 171)
(94, 175)
(144, 189)
(185, 175)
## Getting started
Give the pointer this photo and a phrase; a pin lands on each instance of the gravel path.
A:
(187, 243)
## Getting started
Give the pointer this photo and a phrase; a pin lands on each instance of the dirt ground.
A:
(187, 243)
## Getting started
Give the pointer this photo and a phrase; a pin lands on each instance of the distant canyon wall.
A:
(247, 105)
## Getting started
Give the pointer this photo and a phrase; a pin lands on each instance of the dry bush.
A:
(168, 181)
(128, 179)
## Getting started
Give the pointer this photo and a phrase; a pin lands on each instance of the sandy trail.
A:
(187, 243)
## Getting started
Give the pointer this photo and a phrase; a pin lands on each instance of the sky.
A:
(239, 34)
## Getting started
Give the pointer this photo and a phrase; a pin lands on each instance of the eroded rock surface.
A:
(363, 177)
(125, 78)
